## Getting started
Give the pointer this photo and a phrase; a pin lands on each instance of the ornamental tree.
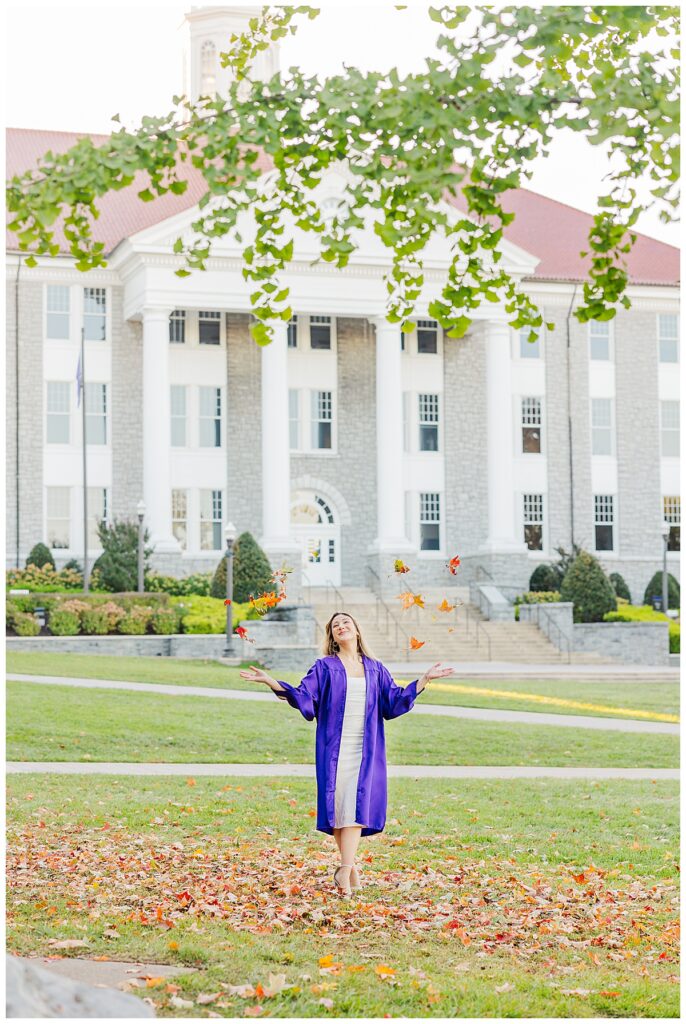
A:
(470, 123)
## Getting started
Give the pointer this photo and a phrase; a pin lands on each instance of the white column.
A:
(276, 460)
(502, 529)
(390, 495)
(157, 430)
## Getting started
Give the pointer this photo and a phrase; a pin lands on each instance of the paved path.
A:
(444, 710)
(109, 973)
(402, 771)
(559, 670)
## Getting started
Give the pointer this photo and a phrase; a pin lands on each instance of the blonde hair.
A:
(330, 646)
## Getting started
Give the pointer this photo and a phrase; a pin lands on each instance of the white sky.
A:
(71, 68)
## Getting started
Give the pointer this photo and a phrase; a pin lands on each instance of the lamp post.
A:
(665, 586)
(230, 536)
(140, 511)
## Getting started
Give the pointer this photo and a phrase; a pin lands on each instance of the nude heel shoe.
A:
(343, 890)
(355, 888)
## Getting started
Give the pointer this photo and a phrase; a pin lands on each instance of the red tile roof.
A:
(553, 231)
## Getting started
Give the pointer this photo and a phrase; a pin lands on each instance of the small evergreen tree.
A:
(218, 584)
(620, 588)
(565, 560)
(74, 564)
(117, 566)
(251, 569)
(587, 586)
(545, 577)
(654, 589)
(40, 555)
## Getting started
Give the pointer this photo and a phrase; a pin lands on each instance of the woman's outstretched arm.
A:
(304, 697)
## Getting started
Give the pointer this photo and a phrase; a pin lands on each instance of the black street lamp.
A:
(140, 511)
(230, 536)
(665, 581)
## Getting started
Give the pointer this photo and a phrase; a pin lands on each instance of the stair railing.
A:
(383, 608)
(564, 643)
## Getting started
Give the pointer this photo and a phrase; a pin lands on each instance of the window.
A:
(672, 514)
(58, 516)
(292, 332)
(429, 521)
(533, 521)
(332, 550)
(320, 332)
(209, 325)
(177, 327)
(529, 349)
(57, 431)
(427, 336)
(180, 517)
(428, 423)
(668, 337)
(94, 314)
(96, 413)
(322, 419)
(97, 513)
(402, 341)
(604, 505)
(57, 312)
(293, 419)
(210, 417)
(210, 520)
(669, 416)
(601, 426)
(208, 68)
(531, 425)
(406, 421)
(178, 415)
(599, 339)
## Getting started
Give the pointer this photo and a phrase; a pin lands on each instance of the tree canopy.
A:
(472, 122)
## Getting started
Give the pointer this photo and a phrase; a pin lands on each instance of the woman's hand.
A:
(436, 672)
(257, 675)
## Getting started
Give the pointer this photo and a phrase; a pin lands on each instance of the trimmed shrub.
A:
(619, 586)
(63, 623)
(251, 571)
(74, 565)
(646, 613)
(208, 614)
(25, 624)
(11, 609)
(76, 607)
(535, 597)
(95, 621)
(135, 622)
(545, 579)
(117, 566)
(587, 586)
(44, 580)
(40, 555)
(114, 613)
(197, 583)
(654, 589)
(165, 620)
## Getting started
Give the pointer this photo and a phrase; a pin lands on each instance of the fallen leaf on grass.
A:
(505, 987)
(207, 997)
(180, 1004)
(67, 943)
(327, 1003)
(581, 992)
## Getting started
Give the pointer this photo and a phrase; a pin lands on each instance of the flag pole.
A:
(82, 394)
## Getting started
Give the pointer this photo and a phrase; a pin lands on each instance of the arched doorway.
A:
(315, 527)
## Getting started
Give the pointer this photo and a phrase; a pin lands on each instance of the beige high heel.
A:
(355, 888)
(343, 890)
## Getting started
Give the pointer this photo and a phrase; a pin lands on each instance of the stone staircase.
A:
(473, 638)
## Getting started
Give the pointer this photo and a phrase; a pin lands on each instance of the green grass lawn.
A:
(504, 898)
(657, 697)
(58, 723)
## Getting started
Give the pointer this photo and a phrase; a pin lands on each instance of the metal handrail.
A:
(380, 603)
(543, 610)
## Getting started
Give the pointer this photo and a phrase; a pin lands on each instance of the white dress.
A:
(350, 757)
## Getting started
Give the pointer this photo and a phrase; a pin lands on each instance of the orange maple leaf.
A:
(415, 644)
(454, 564)
(399, 566)
(444, 606)
(409, 599)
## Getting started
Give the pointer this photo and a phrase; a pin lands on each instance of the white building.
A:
(342, 445)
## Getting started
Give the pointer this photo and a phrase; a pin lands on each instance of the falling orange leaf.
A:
(243, 634)
(399, 566)
(415, 644)
(409, 599)
(444, 606)
(454, 564)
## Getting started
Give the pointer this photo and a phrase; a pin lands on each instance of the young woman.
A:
(350, 694)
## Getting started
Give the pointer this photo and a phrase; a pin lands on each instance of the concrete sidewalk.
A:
(518, 670)
(444, 710)
(399, 771)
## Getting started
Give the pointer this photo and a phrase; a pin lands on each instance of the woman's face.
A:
(343, 628)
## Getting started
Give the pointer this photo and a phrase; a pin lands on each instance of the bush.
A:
(197, 583)
(75, 565)
(44, 580)
(11, 609)
(135, 622)
(40, 556)
(114, 612)
(619, 586)
(25, 624)
(535, 597)
(646, 613)
(587, 586)
(208, 614)
(63, 623)
(165, 620)
(76, 607)
(654, 589)
(95, 621)
(545, 579)
(117, 566)
(251, 571)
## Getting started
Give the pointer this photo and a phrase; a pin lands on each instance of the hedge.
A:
(644, 613)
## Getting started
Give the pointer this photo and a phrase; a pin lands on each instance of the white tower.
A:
(207, 33)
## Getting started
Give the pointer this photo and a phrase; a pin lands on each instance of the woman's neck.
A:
(348, 650)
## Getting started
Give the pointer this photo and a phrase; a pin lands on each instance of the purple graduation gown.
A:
(321, 695)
